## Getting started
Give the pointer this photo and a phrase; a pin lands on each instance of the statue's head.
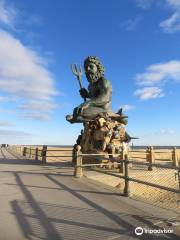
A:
(93, 69)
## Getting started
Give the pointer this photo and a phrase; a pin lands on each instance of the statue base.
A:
(105, 136)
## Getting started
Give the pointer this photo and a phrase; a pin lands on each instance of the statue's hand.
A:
(83, 93)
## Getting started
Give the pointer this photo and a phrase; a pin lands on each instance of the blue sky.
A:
(137, 41)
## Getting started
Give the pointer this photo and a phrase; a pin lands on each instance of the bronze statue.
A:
(103, 130)
(97, 99)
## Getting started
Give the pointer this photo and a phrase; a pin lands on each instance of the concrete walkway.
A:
(47, 202)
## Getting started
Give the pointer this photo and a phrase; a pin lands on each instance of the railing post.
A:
(44, 151)
(74, 153)
(36, 154)
(121, 157)
(20, 150)
(147, 154)
(175, 157)
(127, 192)
(78, 167)
(150, 158)
(30, 152)
(24, 151)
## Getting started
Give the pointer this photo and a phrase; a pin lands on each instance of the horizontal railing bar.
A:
(31, 149)
(108, 173)
(145, 151)
(168, 151)
(137, 155)
(60, 150)
(154, 165)
(60, 156)
(153, 185)
(140, 151)
(99, 154)
(48, 150)
(102, 159)
(160, 159)
(98, 164)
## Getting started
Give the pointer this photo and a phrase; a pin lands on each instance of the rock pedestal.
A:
(103, 135)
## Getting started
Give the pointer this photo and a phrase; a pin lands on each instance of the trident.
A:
(78, 74)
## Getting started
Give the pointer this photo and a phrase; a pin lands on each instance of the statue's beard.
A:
(93, 77)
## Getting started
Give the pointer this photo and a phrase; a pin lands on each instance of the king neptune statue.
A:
(98, 95)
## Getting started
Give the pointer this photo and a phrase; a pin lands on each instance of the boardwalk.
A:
(47, 202)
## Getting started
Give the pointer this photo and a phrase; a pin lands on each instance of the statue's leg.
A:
(91, 112)
(75, 112)
(76, 116)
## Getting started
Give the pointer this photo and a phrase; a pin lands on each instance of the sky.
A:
(138, 42)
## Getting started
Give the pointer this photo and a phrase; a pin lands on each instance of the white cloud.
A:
(172, 24)
(39, 106)
(13, 133)
(39, 110)
(41, 116)
(7, 14)
(158, 73)
(155, 76)
(131, 24)
(145, 4)
(127, 107)
(149, 93)
(4, 99)
(24, 74)
(5, 123)
(22, 70)
(166, 131)
(159, 137)
(173, 3)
